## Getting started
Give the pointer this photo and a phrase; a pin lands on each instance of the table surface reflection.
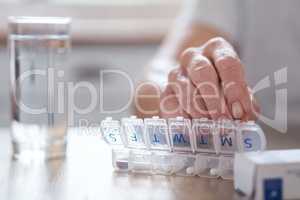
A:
(86, 173)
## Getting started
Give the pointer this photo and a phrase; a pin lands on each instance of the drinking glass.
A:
(38, 50)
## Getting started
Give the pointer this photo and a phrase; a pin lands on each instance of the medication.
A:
(268, 175)
(161, 163)
(204, 138)
(178, 147)
(111, 131)
(120, 159)
(156, 130)
(182, 163)
(180, 134)
(225, 130)
(225, 169)
(133, 131)
(139, 161)
(250, 137)
(206, 165)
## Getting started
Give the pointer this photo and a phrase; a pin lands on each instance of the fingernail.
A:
(237, 110)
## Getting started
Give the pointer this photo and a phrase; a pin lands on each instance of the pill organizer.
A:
(180, 146)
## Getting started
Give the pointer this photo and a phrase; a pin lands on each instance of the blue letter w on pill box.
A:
(180, 134)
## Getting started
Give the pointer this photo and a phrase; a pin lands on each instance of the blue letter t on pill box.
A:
(133, 130)
(156, 130)
(180, 134)
(203, 135)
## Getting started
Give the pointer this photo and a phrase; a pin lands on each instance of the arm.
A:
(183, 35)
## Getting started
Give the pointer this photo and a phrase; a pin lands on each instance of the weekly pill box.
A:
(268, 175)
(180, 146)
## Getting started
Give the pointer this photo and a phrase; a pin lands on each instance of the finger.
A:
(187, 95)
(231, 73)
(204, 77)
(169, 105)
(186, 58)
(147, 97)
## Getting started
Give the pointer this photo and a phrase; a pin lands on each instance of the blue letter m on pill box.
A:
(273, 189)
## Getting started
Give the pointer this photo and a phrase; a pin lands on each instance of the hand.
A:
(209, 82)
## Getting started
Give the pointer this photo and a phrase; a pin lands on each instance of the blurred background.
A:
(115, 34)
(118, 35)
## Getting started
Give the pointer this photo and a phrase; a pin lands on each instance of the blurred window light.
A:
(114, 2)
(9, 1)
(97, 2)
(121, 20)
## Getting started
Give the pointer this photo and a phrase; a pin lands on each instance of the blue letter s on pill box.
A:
(111, 131)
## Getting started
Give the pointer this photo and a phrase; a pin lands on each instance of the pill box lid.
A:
(275, 156)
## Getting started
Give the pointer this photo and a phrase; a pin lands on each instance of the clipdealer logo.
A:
(60, 89)
(279, 122)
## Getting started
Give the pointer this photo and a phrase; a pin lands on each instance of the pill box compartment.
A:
(120, 159)
(225, 169)
(139, 161)
(206, 165)
(161, 162)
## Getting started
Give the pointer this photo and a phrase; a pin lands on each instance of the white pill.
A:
(190, 170)
(213, 171)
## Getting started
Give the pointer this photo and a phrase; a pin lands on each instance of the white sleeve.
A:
(222, 14)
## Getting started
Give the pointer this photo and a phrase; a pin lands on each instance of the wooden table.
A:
(86, 173)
